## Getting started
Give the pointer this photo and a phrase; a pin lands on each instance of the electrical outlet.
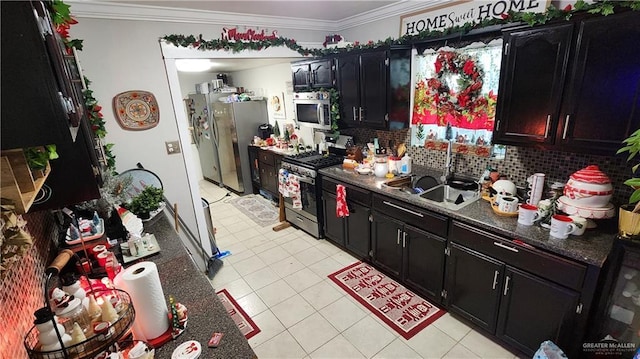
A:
(173, 147)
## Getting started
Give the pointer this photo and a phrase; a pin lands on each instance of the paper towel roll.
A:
(142, 282)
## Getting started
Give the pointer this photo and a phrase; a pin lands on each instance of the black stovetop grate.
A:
(314, 160)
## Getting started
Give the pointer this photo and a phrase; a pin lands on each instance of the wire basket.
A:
(94, 344)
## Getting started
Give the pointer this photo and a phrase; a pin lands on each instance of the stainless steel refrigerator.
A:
(236, 124)
(204, 134)
(222, 133)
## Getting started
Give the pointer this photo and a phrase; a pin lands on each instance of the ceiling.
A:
(320, 10)
(331, 10)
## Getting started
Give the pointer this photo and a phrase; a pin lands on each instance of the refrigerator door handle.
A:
(214, 125)
(195, 130)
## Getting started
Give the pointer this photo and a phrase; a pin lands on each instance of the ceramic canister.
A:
(589, 187)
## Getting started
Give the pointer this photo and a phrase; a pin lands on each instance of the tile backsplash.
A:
(518, 164)
(22, 288)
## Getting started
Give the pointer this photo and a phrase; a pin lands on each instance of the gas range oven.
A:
(305, 166)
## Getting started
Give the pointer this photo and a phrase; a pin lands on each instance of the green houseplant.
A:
(629, 214)
(149, 200)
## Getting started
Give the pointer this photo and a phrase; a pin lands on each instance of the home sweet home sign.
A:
(461, 12)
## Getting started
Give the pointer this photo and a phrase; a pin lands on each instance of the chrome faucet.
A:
(449, 156)
(448, 163)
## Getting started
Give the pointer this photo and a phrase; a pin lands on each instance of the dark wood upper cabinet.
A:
(374, 88)
(531, 82)
(601, 105)
(316, 74)
(573, 86)
(42, 103)
(348, 80)
(34, 111)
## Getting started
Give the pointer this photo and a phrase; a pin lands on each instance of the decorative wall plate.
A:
(136, 110)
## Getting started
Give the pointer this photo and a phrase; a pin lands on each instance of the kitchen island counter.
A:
(181, 279)
(592, 248)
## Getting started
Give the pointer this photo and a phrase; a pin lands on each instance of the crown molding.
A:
(119, 11)
(134, 12)
(396, 9)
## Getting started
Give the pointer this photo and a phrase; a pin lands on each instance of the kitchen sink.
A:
(454, 195)
(450, 197)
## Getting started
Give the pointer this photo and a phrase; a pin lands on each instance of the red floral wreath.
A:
(470, 82)
(468, 108)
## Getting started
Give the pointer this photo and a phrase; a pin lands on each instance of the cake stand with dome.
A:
(568, 206)
(587, 194)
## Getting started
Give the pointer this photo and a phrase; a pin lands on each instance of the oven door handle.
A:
(308, 180)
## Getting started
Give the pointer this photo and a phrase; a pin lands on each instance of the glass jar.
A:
(75, 313)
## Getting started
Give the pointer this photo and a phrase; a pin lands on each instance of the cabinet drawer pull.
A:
(403, 209)
(546, 127)
(398, 237)
(505, 247)
(360, 114)
(566, 126)
(506, 286)
(299, 219)
(355, 116)
(495, 279)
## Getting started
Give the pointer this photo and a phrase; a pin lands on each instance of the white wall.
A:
(273, 80)
(122, 55)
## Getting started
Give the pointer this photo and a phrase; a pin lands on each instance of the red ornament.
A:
(504, 16)
(567, 8)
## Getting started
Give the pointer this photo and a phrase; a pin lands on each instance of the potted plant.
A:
(145, 203)
(629, 214)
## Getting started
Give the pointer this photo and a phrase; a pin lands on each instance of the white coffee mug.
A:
(562, 226)
(508, 204)
(536, 187)
(527, 214)
(581, 224)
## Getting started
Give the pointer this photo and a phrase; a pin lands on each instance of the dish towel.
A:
(294, 191)
(342, 210)
(283, 181)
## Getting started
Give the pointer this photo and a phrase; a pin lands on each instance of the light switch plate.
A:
(173, 147)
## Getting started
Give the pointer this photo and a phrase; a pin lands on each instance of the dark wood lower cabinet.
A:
(534, 310)
(520, 308)
(352, 232)
(412, 255)
(358, 229)
(473, 286)
(333, 226)
(424, 261)
(387, 244)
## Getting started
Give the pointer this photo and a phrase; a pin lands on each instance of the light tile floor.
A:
(280, 280)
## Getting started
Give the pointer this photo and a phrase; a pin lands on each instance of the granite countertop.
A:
(181, 279)
(592, 248)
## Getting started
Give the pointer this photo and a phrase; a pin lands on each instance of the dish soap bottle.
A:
(405, 164)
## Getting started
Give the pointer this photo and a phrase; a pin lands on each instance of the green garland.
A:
(606, 7)
(335, 108)
(62, 19)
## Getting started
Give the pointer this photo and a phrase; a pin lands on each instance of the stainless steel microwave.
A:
(313, 109)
